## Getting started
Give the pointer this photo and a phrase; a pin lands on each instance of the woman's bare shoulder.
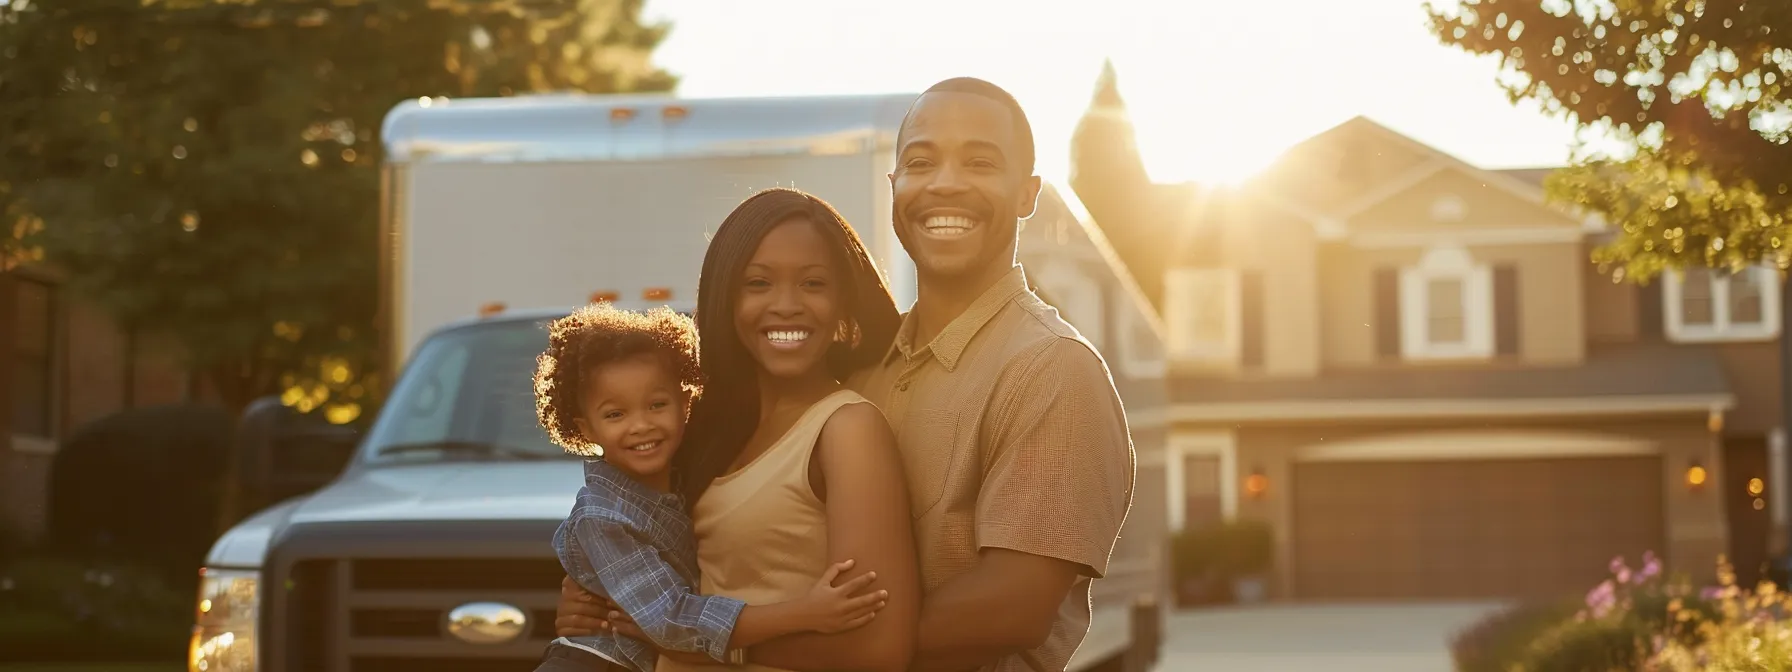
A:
(856, 421)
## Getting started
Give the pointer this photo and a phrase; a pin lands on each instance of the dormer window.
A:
(1446, 307)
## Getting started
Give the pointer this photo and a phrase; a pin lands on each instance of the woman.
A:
(789, 470)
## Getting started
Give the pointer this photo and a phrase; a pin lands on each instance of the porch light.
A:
(1256, 484)
(1696, 475)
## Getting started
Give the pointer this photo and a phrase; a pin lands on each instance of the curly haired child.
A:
(614, 385)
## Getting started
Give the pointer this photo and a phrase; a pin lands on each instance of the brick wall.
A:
(98, 370)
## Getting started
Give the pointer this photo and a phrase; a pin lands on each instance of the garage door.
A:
(1470, 529)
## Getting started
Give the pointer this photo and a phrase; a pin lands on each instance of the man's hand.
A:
(581, 613)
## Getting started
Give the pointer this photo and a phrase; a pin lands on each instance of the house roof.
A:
(1531, 175)
(1656, 377)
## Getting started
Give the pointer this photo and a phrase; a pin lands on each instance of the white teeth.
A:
(787, 336)
(645, 447)
(949, 226)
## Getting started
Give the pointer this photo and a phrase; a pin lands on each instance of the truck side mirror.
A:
(286, 454)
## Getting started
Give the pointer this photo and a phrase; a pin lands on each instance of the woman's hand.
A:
(581, 613)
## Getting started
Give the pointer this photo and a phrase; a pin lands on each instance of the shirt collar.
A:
(604, 472)
(949, 345)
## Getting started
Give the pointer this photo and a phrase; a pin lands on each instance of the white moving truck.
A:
(430, 550)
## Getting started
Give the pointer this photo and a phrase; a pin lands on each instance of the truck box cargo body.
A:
(431, 549)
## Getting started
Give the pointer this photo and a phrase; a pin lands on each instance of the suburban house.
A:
(65, 363)
(1410, 368)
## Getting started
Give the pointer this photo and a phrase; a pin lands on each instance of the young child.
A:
(614, 385)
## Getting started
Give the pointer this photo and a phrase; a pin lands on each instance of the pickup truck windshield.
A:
(467, 394)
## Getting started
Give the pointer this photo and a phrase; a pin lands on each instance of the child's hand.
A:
(837, 608)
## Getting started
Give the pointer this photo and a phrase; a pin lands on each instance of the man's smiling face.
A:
(961, 184)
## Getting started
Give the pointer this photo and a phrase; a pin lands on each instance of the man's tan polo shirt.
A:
(1013, 437)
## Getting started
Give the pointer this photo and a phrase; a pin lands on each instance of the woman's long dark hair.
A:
(727, 414)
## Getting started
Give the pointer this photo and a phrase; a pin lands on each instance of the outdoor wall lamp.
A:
(1256, 484)
(1696, 475)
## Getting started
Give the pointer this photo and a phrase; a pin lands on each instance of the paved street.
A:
(1332, 638)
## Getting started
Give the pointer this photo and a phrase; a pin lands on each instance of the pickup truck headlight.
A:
(224, 630)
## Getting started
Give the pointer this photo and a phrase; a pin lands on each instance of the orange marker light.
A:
(674, 112)
(621, 113)
(604, 296)
(490, 309)
(657, 294)
(1256, 485)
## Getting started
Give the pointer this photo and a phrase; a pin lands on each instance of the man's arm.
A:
(1058, 485)
(1005, 604)
(868, 520)
(604, 556)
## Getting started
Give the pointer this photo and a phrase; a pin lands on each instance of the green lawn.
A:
(92, 667)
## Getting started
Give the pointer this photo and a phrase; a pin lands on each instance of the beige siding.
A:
(1486, 207)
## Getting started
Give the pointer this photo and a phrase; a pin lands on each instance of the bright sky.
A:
(1217, 88)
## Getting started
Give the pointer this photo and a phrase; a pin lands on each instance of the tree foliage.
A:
(210, 170)
(1685, 114)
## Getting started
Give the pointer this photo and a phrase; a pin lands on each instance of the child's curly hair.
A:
(596, 335)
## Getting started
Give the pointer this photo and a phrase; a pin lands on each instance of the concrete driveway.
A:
(1329, 638)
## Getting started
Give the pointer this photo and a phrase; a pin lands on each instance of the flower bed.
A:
(1638, 619)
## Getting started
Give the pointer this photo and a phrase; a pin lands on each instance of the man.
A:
(1018, 460)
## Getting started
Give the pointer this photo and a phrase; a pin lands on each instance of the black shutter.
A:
(1505, 310)
(1250, 328)
(1651, 311)
(1387, 313)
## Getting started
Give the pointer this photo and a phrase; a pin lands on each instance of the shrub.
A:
(1225, 550)
(1619, 625)
(59, 608)
(1193, 553)
(1248, 547)
(1611, 644)
(166, 461)
(1500, 640)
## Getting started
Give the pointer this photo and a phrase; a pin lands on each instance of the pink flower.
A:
(1602, 598)
(1651, 567)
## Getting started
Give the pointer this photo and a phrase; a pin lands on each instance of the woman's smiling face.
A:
(789, 305)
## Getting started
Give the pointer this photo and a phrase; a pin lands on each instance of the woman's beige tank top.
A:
(762, 534)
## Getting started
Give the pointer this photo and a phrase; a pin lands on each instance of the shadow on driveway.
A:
(1318, 637)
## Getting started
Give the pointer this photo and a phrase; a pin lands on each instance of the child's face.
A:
(635, 410)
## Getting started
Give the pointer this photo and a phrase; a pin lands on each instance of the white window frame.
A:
(1673, 290)
(1181, 286)
(1222, 443)
(1446, 263)
(1139, 362)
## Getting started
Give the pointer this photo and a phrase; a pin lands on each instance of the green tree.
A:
(1685, 116)
(210, 170)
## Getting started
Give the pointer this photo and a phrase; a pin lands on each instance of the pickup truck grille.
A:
(368, 597)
